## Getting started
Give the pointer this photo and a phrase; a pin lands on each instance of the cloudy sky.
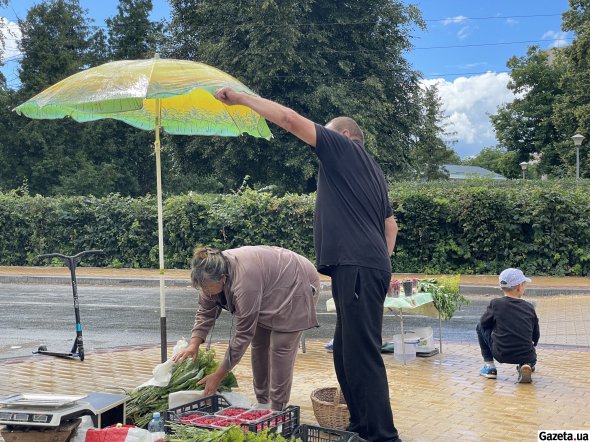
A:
(463, 51)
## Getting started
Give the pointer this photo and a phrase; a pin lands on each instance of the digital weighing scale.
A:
(51, 410)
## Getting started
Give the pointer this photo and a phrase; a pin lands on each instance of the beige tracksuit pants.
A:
(273, 360)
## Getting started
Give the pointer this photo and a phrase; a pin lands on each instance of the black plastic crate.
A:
(309, 433)
(207, 405)
(284, 423)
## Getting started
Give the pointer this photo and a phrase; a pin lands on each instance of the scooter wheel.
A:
(42, 348)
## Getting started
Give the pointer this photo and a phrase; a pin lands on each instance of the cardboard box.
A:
(63, 433)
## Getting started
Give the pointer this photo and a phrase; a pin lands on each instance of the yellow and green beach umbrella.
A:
(173, 95)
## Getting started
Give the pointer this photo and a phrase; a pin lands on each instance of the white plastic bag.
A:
(163, 372)
(181, 345)
(178, 398)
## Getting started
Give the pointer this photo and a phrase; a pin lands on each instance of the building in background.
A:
(457, 172)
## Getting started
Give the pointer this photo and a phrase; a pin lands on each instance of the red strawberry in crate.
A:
(232, 411)
(208, 421)
(190, 418)
(228, 423)
(255, 415)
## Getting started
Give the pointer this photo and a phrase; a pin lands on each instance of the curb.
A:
(86, 280)
(465, 289)
(530, 291)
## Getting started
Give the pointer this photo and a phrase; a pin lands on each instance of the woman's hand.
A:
(212, 382)
(192, 350)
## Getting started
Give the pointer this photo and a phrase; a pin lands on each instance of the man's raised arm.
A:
(282, 116)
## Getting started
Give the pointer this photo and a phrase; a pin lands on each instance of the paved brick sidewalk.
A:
(441, 398)
(564, 320)
(437, 398)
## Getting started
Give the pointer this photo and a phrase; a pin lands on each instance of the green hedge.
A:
(481, 227)
(477, 227)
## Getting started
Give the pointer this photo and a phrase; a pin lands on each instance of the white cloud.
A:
(560, 39)
(454, 20)
(12, 35)
(468, 102)
(511, 22)
(463, 32)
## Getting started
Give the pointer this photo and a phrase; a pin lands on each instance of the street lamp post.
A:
(578, 142)
(523, 166)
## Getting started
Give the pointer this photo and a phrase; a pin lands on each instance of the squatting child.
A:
(508, 331)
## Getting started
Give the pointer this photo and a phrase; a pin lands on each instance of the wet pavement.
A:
(436, 398)
(121, 315)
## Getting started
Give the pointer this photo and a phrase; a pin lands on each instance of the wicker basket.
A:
(330, 408)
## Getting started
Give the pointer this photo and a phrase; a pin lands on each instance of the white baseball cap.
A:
(512, 277)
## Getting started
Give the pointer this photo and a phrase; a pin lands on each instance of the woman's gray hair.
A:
(208, 264)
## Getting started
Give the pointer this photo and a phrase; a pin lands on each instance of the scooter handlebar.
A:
(88, 252)
(59, 255)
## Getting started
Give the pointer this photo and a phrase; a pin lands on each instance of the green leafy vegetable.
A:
(188, 433)
(445, 294)
(145, 401)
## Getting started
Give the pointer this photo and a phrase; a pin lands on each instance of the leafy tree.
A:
(126, 152)
(62, 156)
(497, 160)
(9, 153)
(488, 158)
(572, 109)
(131, 34)
(321, 58)
(99, 48)
(553, 102)
(55, 43)
(3, 22)
(430, 150)
(526, 126)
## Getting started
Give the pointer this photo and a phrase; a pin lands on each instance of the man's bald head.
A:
(347, 127)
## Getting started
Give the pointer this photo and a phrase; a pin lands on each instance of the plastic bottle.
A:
(156, 424)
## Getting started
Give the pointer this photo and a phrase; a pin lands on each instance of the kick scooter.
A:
(77, 350)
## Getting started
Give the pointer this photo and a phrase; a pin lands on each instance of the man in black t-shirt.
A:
(354, 237)
(508, 331)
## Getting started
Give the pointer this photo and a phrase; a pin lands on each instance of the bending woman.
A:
(271, 293)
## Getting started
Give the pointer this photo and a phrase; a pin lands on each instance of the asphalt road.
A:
(113, 316)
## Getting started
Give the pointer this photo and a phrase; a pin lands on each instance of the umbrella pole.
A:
(163, 339)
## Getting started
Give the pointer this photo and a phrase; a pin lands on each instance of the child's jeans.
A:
(484, 336)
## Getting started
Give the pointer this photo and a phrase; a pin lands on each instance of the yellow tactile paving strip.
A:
(437, 398)
(564, 320)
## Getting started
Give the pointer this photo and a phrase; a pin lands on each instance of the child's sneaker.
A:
(489, 372)
(330, 346)
(524, 374)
